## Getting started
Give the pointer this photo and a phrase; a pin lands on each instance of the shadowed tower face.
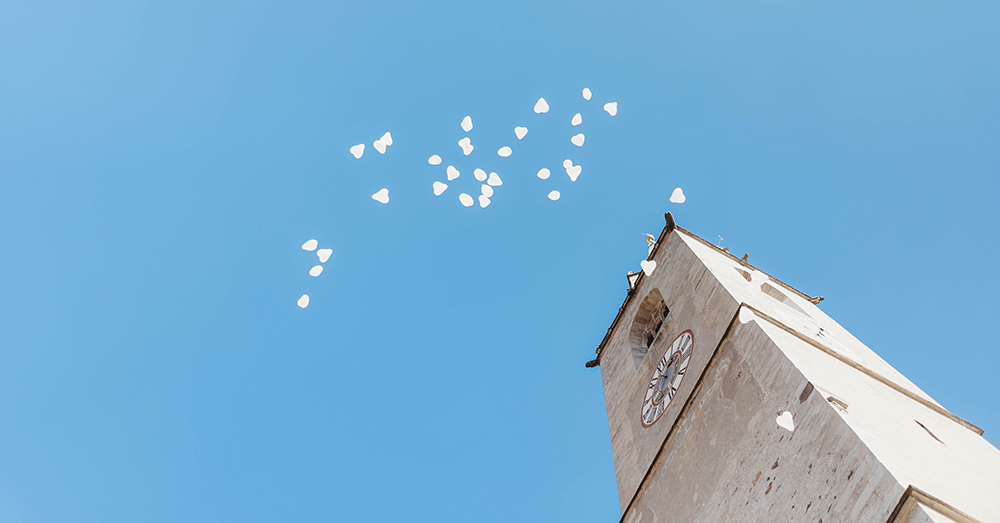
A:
(732, 397)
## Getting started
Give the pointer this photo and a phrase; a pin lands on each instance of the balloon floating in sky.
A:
(381, 196)
(572, 170)
(466, 145)
(382, 143)
(678, 196)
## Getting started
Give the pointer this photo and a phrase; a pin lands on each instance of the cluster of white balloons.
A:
(493, 180)
(323, 255)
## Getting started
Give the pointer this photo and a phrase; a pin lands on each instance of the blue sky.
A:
(161, 164)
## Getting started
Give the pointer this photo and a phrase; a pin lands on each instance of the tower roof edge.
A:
(670, 226)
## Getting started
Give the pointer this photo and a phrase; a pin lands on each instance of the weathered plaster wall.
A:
(729, 461)
(917, 445)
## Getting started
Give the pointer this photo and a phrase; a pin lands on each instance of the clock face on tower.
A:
(666, 378)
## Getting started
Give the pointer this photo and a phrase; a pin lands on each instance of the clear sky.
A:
(162, 162)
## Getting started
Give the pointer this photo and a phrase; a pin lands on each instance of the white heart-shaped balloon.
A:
(467, 123)
(452, 172)
(480, 175)
(324, 254)
(746, 315)
(554, 195)
(310, 245)
(466, 145)
(465, 199)
(379, 146)
(484, 201)
(520, 132)
(434, 160)
(494, 180)
(586, 93)
(786, 421)
(578, 140)
(386, 138)
(303, 301)
(648, 266)
(611, 108)
(439, 188)
(573, 172)
(678, 196)
(487, 191)
(358, 150)
(541, 106)
(381, 196)
(544, 173)
(316, 271)
(505, 151)
(577, 119)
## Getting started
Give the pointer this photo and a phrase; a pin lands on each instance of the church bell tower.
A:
(732, 397)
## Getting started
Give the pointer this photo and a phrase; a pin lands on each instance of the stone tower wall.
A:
(697, 302)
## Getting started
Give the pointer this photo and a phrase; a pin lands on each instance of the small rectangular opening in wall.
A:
(928, 431)
(837, 402)
(771, 291)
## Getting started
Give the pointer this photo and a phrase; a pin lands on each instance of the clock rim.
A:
(655, 373)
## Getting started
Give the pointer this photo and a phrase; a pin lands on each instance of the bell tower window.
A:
(647, 324)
